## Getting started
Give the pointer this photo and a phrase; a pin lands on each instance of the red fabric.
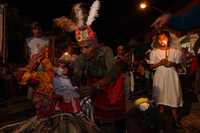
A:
(20, 74)
(111, 104)
(194, 65)
(45, 105)
(69, 108)
(115, 91)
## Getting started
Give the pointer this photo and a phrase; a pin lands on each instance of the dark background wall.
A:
(118, 21)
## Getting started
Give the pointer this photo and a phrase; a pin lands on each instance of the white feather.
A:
(93, 13)
(78, 15)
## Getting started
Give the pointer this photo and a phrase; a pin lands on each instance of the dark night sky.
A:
(118, 18)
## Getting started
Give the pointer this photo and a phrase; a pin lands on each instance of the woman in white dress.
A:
(166, 85)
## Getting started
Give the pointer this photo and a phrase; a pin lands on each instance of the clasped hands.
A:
(165, 62)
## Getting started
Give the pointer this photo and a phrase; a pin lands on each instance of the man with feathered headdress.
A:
(95, 68)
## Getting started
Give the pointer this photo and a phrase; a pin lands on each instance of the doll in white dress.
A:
(64, 88)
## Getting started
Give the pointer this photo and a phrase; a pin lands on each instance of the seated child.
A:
(64, 88)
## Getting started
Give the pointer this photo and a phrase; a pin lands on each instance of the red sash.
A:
(110, 105)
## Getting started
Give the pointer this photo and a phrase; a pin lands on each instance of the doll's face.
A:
(62, 69)
(65, 71)
(163, 40)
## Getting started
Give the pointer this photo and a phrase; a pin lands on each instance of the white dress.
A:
(166, 85)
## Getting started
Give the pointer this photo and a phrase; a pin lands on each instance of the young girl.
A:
(166, 86)
(64, 88)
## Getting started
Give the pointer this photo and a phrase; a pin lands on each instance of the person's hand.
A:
(163, 62)
(161, 21)
(87, 91)
(84, 92)
(90, 90)
(167, 63)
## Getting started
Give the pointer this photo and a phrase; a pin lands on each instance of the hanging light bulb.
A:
(143, 5)
(146, 4)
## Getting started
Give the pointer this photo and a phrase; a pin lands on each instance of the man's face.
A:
(86, 49)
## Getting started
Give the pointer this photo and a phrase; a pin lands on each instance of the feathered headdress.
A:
(93, 13)
(81, 22)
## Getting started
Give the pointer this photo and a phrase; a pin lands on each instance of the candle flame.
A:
(66, 53)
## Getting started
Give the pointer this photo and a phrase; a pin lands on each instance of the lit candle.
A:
(165, 44)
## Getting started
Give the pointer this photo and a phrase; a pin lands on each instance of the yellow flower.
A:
(140, 101)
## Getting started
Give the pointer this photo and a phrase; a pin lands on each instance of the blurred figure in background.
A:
(34, 44)
(186, 21)
(41, 82)
(37, 40)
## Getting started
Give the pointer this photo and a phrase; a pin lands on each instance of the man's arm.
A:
(186, 19)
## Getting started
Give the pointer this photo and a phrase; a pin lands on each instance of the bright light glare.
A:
(143, 5)
(66, 53)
